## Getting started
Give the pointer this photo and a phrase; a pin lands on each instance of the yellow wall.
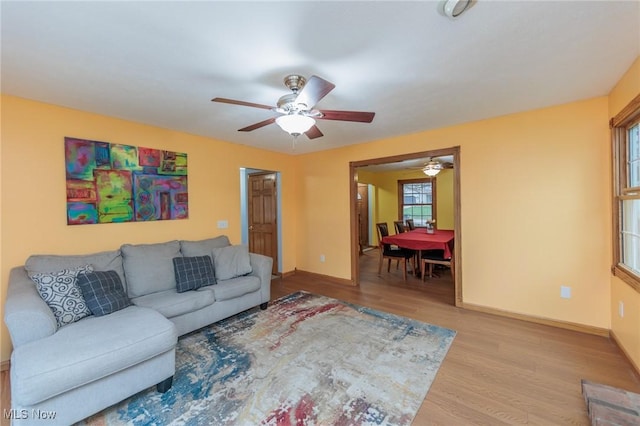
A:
(444, 197)
(33, 186)
(386, 206)
(626, 328)
(536, 218)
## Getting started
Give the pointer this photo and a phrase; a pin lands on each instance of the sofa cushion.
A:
(149, 267)
(61, 293)
(170, 303)
(103, 292)
(232, 261)
(203, 247)
(235, 287)
(86, 351)
(193, 272)
(102, 261)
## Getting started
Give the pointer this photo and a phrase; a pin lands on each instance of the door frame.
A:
(368, 216)
(457, 227)
(244, 208)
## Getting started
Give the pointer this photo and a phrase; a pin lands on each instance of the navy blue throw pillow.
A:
(193, 272)
(103, 292)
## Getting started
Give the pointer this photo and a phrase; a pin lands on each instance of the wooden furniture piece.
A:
(399, 226)
(608, 405)
(419, 239)
(437, 257)
(423, 242)
(389, 253)
(410, 225)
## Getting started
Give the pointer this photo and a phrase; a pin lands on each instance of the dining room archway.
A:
(406, 161)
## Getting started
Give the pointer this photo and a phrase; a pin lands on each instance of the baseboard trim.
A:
(329, 278)
(582, 328)
(539, 320)
(615, 340)
(288, 274)
(5, 365)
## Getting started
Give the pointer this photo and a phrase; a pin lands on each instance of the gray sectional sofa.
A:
(91, 363)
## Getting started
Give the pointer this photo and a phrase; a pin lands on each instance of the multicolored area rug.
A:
(306, 360)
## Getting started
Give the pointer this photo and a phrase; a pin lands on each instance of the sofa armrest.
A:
(261, 267)
(26, 315)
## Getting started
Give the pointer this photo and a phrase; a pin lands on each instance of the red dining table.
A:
(420, 239)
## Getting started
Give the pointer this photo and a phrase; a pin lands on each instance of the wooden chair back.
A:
(399, 225)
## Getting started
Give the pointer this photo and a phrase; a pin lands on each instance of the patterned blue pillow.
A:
(103, 292)
(193, 272)
(60, 292)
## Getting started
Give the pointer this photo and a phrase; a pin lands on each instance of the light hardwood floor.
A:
(498, 371)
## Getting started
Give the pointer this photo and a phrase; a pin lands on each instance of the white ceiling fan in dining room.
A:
(433, 166)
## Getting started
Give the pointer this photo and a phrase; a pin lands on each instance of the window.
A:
(416, 200)
(626, 156)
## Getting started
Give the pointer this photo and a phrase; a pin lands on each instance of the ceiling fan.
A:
(297, 113)
(433, 166)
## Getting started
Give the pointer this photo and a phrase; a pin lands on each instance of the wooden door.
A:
(363, 215)
(263, 228)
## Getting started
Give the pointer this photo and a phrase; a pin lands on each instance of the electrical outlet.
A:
(565, 292)
(621, 308)
(322, 258)
(223, 224)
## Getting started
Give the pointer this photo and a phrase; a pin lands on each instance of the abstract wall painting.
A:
(109, 183)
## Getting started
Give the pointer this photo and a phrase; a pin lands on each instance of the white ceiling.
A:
(161, 63)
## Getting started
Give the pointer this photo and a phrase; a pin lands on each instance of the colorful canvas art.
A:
(109, 183)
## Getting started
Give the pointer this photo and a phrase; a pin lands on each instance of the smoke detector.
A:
(454, 8)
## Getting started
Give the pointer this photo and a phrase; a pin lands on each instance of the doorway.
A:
(362, 202)
(398, 160)
(260, 210)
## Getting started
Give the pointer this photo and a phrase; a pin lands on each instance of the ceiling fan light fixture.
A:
(432, 168)
(295, 124)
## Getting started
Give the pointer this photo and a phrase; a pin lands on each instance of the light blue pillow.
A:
(203, 247)
(232, 261)
(148, 268)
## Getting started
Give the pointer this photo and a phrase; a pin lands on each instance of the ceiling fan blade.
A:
(315, 89)
(313, 132)
(258, 125)
(243, 103)
(359, 116)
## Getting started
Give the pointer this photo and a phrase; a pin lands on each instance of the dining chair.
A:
(436, 257)
(399, 225)
(410, 224)
(390, 253)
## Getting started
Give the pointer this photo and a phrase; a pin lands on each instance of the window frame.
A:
(401, 204)
(620, 125)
